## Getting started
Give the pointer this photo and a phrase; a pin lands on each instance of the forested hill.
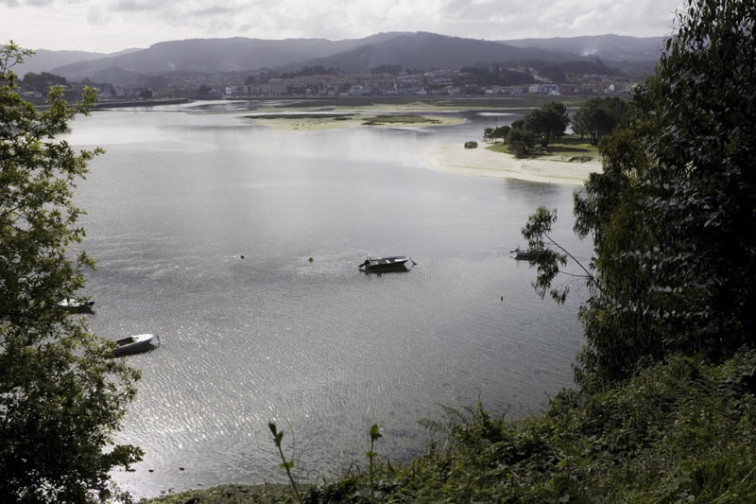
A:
(418, 50)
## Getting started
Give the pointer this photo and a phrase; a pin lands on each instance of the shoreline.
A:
(482, 162)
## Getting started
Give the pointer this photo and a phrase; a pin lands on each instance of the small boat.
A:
(521, 255)
(393, 263)
(76, 305)
(135, 344)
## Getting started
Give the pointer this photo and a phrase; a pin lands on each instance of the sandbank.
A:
(482, 162)
(297, 122)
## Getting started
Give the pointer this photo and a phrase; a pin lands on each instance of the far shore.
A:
(454, 158)
(482, 162)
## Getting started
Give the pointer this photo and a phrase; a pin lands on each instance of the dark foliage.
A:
(672, 214)
(61, 397)
(42, 82)
(548, 122)
(599, 117)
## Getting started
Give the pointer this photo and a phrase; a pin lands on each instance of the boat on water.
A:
(521, 255)
(135, 344)
(76, 305)
(393, 263)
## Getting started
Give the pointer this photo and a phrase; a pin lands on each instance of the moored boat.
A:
(135, 344)
(393, 263)
(521, 255)
(76, 305)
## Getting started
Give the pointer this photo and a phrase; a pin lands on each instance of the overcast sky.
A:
(112, 25)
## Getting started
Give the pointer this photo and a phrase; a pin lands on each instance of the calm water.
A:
(319, 347)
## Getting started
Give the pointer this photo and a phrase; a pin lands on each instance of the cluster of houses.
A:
(429, 83)
(436, 82)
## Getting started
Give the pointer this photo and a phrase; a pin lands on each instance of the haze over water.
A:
(319, 347)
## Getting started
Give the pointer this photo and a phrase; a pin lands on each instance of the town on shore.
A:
(325, 83)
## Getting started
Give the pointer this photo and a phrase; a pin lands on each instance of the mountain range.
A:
(420, 50)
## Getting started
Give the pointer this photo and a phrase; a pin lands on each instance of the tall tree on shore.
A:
(548, 122)
(672, 215)
(598, 117)
(61, 397)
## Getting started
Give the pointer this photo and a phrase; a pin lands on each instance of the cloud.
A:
(117, 24)
(32, 3)
(135, 6)
(490, 19)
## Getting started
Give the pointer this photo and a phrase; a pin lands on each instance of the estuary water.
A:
(318, 346)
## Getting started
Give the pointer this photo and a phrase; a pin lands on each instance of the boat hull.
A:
(134, 344)
(380, 264)
(77, 306)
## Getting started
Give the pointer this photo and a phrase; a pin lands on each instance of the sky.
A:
(108, 26)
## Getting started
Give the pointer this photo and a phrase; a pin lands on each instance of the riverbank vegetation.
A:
(572, 148)
(679, 431)
(61, 396)
(542, 132)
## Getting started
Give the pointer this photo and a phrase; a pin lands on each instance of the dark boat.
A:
(521, 255)
(393, 263)
(134, 344)
(77, 305)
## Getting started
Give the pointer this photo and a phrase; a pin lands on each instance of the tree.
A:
(521, 141)
(498, 133)
(548, 123)
(386, 69)
(61, 397)
(204, 90)
(42, 82)
(598, 117)
(672, 215)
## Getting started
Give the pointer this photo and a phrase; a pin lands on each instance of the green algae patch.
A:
(312, 121)
(401, 120)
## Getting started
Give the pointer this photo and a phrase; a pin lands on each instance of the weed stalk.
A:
(277, 437)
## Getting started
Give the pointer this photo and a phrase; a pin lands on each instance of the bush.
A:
(471, 145)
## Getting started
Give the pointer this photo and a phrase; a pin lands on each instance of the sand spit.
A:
(315, 122)
(482, 162)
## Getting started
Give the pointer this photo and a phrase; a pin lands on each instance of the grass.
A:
(570, 145)
(230, 494)
(568, 148)
(677, 432)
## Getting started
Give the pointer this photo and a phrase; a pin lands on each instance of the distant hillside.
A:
(607, 47)
(422, 51)
(208, 56)
(636, 57)
(426, 51)
(44, 60)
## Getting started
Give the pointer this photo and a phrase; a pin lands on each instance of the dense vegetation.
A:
(42, 82)
(671, 216)
(599, 117)
(61, 397)
(540, 126)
